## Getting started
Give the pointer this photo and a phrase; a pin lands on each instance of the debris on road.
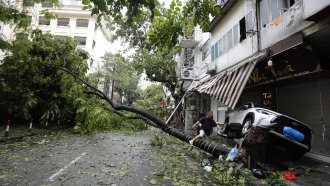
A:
(232, 154)
(258, 173)
(289, 176)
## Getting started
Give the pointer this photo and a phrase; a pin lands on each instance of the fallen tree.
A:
(148, 118)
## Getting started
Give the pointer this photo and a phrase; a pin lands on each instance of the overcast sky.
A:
(117, 46)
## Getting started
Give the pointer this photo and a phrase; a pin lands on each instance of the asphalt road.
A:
(61, 158)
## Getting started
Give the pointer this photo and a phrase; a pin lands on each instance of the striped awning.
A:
(228, 85)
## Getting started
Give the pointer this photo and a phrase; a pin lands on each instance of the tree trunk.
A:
(206, 146)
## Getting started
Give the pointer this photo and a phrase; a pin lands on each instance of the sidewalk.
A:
(19, 131)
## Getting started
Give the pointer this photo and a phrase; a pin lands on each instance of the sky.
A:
(117, 46)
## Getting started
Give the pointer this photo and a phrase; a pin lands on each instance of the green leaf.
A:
(157, 12)
(217, 10)
(86, 2)
(153, 182)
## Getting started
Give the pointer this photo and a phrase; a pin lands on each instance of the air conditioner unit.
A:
(187, 74)
(211, 68)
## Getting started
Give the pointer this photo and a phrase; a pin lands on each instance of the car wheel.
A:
(246, 125)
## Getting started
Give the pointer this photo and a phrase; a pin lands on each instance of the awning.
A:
(228, 85)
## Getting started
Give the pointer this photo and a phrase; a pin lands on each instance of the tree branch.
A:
(208, 147)
(130, 117)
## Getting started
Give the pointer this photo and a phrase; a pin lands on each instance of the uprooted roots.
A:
(254, 147)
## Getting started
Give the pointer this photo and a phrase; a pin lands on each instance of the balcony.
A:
(282, 23)
(315, 11)
(191, 40)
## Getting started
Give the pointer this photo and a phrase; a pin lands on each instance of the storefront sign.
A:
(268, 98)
(282, 69)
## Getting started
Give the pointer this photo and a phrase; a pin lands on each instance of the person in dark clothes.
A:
(206, 125)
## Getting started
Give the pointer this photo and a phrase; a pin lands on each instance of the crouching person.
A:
(206, 125)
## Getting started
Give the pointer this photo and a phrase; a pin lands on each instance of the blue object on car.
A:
(293, 134)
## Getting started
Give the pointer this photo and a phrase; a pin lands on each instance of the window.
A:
(205, 49)
(242, 29)
(230, 39)
(80, 40)
(212, 53)
(224, 43)
(94, 43)
(291, 2)
(271, 9)
(264, 12)
(216, 51)
(82, 22)
(274, 9)
(43, 21)
(235, 35)
(249, 22)
(47, 4)
(283, 5)
(63, 21)
(61, 37)
(220, 47)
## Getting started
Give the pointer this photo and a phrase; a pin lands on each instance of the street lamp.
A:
(270, 62)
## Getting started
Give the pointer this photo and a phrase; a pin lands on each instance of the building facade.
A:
(71, 21)
(273, 53)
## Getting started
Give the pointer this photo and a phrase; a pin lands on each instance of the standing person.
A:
(206, 125)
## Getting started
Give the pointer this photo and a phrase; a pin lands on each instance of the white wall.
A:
(74, 11)
(4, 34)
(200, 66)
(243, 49)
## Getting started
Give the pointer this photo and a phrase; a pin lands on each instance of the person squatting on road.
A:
(206, 125)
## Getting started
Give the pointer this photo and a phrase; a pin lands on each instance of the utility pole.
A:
(113, 82)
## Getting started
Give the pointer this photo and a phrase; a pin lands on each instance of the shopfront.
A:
(196, 106)
(294, 84)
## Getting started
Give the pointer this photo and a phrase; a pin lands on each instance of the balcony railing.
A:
(192, 40)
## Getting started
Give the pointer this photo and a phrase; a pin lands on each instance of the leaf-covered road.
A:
(146, 158)
(97, 159)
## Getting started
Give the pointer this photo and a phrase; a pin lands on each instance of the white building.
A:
(72, 21)
(221, 57)
(271, 52)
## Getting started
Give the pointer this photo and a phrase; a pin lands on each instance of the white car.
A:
(293, 135)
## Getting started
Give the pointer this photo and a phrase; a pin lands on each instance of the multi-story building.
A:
(271, 52)
(295, 77)
(71, 21)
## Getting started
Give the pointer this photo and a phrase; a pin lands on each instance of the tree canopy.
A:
(27, 83)
(117, 69)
